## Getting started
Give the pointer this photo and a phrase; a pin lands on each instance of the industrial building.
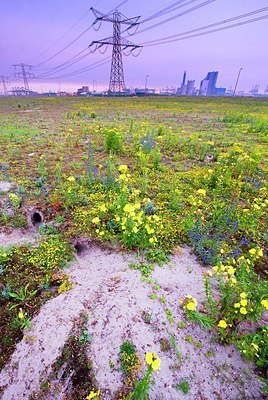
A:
(208, 85)
(186, 89)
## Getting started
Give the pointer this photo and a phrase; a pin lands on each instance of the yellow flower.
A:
(243, 302)
(243, 311)
(222, 324)
(153, 361)
(256, 347)
(264, 303)
(71, 179)
(243, 295)
(93, 394)
(122, 168)
(201, 191)
(95, 220)
(260, 253)
(252, 251)
(236, 305)
(190, 303)
(129, 208)
(190, 306)
(21, 315)
(135, 229)
(103, 208)
(231, 271)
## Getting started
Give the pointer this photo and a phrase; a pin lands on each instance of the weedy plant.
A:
(143, 386)
(130, 362)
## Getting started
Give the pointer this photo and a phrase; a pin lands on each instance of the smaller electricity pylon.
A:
(24, 74)
(120, 44)
(4, 82)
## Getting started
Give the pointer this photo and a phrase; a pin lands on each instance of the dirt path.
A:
(120, 308)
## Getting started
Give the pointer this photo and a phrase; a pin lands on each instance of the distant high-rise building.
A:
(208, 85)
(190, 88)
(181, 91)
(184, 78)
(186, 89)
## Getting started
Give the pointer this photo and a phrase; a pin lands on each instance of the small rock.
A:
(5, 186)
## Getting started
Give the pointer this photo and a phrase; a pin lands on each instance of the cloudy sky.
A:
(53, 36)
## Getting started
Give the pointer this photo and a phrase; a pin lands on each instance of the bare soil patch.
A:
(120, 307)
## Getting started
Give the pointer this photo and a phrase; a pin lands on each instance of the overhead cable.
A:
(161, 41)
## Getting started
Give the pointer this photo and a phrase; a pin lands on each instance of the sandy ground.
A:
(18, 236)
(116, 301)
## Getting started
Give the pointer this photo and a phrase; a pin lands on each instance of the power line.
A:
(163, 11)
(64, 48)
(73, 41)
(164, 40)
(211, 31)
(172, 7)
(73, 60)
(207, 26)
(84, 69)
(205, 3)
(61, 37)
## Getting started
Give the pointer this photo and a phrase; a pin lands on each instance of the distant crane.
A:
(237, 79)
(117, 80)
(254, 90)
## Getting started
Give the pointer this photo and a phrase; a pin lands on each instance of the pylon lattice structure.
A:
(120, 44)
(24, 74)
(4, 82)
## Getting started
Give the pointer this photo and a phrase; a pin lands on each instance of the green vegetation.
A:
(29, 275)
(184, 387)
(147, 175)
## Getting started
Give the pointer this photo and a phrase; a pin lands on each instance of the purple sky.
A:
(29, 27)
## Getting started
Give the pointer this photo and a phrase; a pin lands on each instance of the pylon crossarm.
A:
(129, 21)
(100, 16)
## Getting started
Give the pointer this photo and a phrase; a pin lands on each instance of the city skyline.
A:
(31, 28)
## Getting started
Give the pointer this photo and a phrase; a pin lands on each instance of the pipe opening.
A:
(80, 248)
(82, 245)
(36, 218)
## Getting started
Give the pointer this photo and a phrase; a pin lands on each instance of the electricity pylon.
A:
(4, 82)
(24, 74)
(117, 81)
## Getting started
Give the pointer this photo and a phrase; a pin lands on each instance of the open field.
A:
(128, 187)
